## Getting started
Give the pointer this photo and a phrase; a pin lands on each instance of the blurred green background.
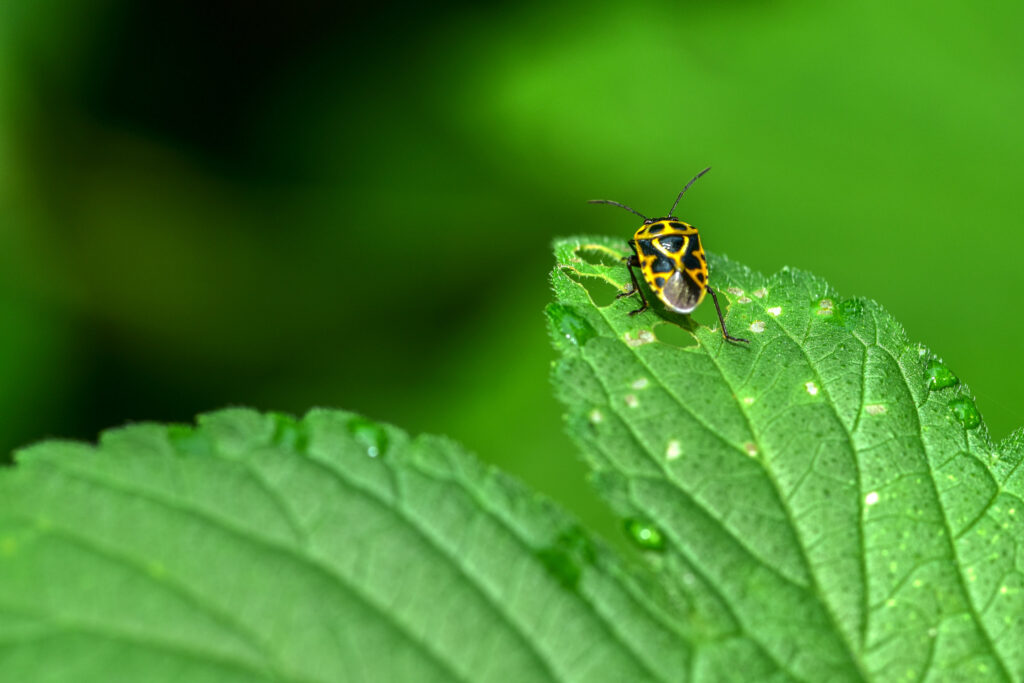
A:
(286, 205)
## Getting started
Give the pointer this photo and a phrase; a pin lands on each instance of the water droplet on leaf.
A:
(568, 323)
(289, 432)
(939, 376)
(566, 558)
(964, 410)
(645, 534)
(370, 434)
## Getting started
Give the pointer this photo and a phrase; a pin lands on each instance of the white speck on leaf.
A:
(631, 400)
(774, 311)
(871, 498)
(642, 337)
(875, 409)
(812, 388)
(757, 326)
(674, 450)
(640, 383)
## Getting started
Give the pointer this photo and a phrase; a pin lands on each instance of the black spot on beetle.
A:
(672, 243)
(700, 277)
(678, 226)
(691, 262)
(659, 282)
(662, 264)
(656, 229)
(647, 247)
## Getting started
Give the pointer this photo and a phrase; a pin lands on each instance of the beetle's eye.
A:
(671, 243)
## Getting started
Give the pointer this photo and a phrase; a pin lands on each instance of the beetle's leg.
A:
(634, 262)
(630, 260)
(725, 333)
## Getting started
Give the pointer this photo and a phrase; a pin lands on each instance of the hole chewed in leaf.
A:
(601, 292)
(674, 335)
(597, 255)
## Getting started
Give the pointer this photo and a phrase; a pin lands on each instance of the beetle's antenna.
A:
(673, 209)
(621, 206)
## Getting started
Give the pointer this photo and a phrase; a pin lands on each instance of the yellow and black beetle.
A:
(669, 254)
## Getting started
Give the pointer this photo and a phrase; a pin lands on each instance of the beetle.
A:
(669, 254)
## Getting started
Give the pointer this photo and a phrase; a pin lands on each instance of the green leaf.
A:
(258, 547)
(827, 494)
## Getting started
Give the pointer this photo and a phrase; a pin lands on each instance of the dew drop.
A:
(964, 410)
(289, 432)
(569, 324)
(645, 534)
(939, 376)
(188, 440)
(851, 308)
(566, 558)
(370, 434)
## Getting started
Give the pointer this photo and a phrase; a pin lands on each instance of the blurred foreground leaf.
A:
(262, 548)
(828, 493)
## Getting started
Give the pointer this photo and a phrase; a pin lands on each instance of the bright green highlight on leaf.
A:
(821, 502)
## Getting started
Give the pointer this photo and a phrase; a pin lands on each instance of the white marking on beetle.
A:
(757, 326)
(875, 409)
(774, 311)
(674, 450)
(812, 388)
(640, 383)
(871, 498)
(642, 337)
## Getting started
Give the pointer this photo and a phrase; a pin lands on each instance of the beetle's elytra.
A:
(669, 254)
